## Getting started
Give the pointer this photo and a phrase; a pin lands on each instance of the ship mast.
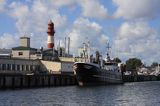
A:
(108, 48)
(86, 51)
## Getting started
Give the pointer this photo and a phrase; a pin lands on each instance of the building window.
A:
(22, 67)
(13, 67)
(27, 67)
(20, 53)
(31, 67)
(3, 67)
(8, 67)
(0, 66)
(37, 68)
(18, 67)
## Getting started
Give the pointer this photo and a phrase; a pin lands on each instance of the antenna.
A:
(68, 45)
(88, 50)
(58, 47)
(65, 45)
(84, 51)
(108, 48)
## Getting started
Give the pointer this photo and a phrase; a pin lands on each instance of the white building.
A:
(27, 60)
(57, 67)
(24, 51)
(21, 66)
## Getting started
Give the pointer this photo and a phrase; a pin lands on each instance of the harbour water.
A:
(128, 94)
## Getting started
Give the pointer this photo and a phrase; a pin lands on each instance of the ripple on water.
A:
(129, 94)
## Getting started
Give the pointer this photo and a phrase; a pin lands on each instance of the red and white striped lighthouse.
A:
(51, 31)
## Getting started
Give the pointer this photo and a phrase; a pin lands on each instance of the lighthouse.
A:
(50, 32)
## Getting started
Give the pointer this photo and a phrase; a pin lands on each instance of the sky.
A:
(131, 26)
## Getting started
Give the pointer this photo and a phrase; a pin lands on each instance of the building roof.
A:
(50, 52)
(23, 48)
(24, 37)
(5, 51)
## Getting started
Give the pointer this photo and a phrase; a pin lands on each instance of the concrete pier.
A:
(13, 81)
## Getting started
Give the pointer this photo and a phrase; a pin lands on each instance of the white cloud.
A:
(21, 13)
(137, 9)
(34, 19)
(88, 7)
(84, 30)
(2, 5)
(103, 39)
(138, 39)
(43, 11)
(7, 40)
(93, 9)
(61, 3)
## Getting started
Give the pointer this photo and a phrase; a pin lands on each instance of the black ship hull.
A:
(88, 74)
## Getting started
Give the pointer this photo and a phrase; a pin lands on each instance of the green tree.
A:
(117, 60)
(154, 64)
(132, 64)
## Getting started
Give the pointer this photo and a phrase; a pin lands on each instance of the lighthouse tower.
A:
(51, 31)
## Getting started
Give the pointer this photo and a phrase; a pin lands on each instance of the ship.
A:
(103, 73)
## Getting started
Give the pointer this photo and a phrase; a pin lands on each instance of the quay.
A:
(13, 81)
(140, 78)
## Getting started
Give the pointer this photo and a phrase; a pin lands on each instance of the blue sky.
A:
(131, 26)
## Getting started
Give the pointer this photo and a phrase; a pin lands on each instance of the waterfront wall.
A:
(31, 81)
(138, 78)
